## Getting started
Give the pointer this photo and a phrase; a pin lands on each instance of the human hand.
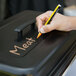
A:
(59, 22)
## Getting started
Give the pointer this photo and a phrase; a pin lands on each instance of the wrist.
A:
(70, 23)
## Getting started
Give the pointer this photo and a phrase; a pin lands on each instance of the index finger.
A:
(39, 23)
(40, 20)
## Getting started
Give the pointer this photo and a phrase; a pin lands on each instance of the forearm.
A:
(72, 22)
(59, 22)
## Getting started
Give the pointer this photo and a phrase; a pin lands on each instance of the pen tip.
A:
(39, 35)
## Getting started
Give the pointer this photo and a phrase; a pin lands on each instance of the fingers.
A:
(47, 28)
(39, 23)
(40, 20)
(58, 22)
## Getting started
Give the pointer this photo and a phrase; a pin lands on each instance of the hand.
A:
(59, 22)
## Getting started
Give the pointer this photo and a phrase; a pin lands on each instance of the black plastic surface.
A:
(41, 56)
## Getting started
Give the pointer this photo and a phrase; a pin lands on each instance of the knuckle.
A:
(37, 18)
(47, 11)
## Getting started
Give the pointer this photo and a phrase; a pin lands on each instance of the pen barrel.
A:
(53, 14)
(51, 17)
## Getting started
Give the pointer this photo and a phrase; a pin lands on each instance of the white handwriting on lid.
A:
(26, 45)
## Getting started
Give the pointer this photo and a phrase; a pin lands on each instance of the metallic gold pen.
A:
(51, 17)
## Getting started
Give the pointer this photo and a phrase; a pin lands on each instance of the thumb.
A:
(47, 28)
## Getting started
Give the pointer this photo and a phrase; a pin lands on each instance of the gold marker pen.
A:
(51, 17)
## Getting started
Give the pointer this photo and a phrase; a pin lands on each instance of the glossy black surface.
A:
(44, 53)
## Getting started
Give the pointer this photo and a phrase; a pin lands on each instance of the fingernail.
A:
(42, 30)
(39, 28)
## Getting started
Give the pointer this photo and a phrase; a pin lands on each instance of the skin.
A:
(59, 22)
